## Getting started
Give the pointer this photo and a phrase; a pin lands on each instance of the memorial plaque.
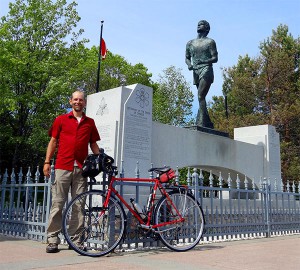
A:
(137, 128)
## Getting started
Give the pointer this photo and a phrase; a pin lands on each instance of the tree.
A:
(243, 89)
(266, 90)
(172, 98)
(38, 50)
(115, 71)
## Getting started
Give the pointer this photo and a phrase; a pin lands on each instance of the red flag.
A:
(103, 49)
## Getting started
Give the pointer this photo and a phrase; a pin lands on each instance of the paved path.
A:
(266, 253)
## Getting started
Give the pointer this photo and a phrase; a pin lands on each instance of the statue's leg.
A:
(203, 118)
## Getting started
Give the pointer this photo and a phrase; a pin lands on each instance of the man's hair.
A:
(79, 91)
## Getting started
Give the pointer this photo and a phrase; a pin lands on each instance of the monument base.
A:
(208, 130)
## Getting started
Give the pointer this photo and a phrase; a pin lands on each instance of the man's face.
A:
(77, 102)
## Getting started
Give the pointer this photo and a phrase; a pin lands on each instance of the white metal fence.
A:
(24, 204)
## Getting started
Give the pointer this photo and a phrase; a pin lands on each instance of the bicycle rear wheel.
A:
(179, 236)
(89, 228)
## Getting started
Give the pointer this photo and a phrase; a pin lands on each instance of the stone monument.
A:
(123, 117)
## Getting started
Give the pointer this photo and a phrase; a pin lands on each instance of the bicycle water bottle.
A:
(137, 208)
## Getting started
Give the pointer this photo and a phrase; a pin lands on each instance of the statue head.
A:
(203, 27)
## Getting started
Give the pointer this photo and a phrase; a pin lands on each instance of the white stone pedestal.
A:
(266, 136)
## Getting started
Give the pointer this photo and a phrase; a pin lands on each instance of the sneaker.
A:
(52, 248)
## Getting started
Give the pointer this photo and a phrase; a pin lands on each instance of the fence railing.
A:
(231, 212)
(24, 207)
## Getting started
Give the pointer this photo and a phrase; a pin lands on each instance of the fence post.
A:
(137, 170)
(195, 179)
(12, 193)
(188, 176)
(122, 172)
(177, 176)
(266, 192)
(201, 190)
(4, 182)
(151, 174)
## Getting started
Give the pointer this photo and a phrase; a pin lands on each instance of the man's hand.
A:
(46, 170)
(50, 151)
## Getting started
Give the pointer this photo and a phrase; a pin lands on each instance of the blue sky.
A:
(155, 32)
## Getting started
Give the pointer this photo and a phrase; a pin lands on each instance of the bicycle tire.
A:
(95, 231)
(181, 236)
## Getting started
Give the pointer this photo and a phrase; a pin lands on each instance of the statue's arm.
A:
(213, 53)
(188, 57)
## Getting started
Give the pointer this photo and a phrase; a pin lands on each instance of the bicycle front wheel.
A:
(89, 228)
(182, 235)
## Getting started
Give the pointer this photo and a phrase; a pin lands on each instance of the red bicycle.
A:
(94, 223)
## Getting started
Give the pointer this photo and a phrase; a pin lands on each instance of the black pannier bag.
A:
(91, 166)
(94, 164)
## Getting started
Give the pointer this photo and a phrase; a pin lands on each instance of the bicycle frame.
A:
(157, 186)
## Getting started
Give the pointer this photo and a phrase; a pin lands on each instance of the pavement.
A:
(280, 252)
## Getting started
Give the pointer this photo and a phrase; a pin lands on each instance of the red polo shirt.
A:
(73, 139)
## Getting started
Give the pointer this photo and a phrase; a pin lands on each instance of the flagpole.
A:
(99, 58)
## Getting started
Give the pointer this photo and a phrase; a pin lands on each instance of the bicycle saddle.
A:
(160, 170)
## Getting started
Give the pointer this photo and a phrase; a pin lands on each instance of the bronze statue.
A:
(200, 54)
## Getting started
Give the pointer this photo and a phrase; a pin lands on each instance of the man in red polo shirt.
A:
(71, 134)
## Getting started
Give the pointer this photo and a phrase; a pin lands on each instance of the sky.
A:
(155, 32)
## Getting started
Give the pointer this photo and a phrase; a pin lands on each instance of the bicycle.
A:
(99, 218)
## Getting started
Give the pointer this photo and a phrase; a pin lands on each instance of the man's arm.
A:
(95, 148)
(49, 154)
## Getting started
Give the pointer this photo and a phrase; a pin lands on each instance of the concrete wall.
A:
(182, 147)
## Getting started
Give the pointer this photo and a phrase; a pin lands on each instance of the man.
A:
(71, 134)
(200, 54)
